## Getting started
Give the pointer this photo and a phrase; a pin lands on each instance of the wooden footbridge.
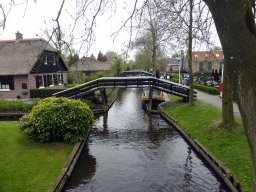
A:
(126, 82)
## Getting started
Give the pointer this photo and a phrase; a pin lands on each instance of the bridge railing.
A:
(127, 82)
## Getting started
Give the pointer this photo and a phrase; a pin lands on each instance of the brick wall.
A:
(30, 80)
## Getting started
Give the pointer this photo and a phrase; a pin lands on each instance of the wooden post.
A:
(104, 98)
(150, 99)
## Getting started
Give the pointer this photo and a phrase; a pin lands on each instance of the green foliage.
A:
(175, 80)
(71, 59)
(176, 55)
(212, 90)
(216, 48)
(88, 103)
(35, 100)
(14, 105)
(101, 57)
(117, 66)
(58, 119)
(108, 92)
(43, 93)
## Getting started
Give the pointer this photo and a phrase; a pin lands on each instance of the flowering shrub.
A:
(58, 119)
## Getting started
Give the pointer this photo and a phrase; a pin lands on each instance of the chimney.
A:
(18, 36)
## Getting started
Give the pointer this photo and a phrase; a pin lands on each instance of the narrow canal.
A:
(129, 150)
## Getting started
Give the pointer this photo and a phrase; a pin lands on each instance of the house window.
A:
(41, 81)
(206, 55)
(24, 85)
(201, 65)
(45, 59)
(4, 85)
(60, 78)
(196, 56)
(50, 80)
(54, 60)
(217, 55)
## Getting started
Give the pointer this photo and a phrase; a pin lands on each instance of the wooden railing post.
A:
(150, 99)
(104, 98)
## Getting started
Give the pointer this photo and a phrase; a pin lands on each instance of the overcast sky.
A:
(36, 14)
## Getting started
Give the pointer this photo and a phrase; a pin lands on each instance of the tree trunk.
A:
(228, 119)
(237, 32)
(191, 77)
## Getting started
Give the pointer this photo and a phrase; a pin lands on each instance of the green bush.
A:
(108, 92)
(58, 119)
(43, 93)
(212, 90)
(14, 105)
(175, 80)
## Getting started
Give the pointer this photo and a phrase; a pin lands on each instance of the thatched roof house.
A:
(90, 65)
(28, 64)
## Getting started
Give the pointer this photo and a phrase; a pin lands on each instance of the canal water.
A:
(131, 151)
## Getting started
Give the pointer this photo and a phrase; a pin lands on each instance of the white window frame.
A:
(196, 56)
(59, 78)
(217, 55)
(6, 89)
(45, 59)
(42, 81)
(52, 81)
(206, 55)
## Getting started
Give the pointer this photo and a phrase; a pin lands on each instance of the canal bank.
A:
(213, 161)
(118, 129)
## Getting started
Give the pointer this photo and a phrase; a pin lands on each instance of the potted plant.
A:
(24, 92)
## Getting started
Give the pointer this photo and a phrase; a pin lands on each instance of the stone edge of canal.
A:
(215, 163)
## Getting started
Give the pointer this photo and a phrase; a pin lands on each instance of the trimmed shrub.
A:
(212, 90)
(43, 93)
(14, 105)
(58, 119)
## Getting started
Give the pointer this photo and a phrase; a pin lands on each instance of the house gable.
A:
(49, 62)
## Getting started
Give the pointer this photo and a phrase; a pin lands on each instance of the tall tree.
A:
(110, 55)
(153, 35)
(100, 56)
(235, 25)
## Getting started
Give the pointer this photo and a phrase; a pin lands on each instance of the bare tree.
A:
(153, 35)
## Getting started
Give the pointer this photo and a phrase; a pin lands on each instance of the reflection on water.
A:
(130, 150)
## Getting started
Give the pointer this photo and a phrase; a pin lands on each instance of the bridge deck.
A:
(127, 82)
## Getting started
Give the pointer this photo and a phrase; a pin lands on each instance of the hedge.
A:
(43, 93)
(212, 90)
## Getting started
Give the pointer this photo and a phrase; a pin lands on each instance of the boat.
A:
(157, 98)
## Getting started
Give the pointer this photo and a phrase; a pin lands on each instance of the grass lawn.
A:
(26, 165)
(229, 146)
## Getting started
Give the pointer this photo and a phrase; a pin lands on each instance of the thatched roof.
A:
(18, 57)
(90, 64)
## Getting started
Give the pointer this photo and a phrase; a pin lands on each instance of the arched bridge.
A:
(126, 82)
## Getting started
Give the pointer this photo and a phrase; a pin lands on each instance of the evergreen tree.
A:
(100, 57)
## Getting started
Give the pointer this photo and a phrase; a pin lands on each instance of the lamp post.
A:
(181, 62)
(222, 69)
